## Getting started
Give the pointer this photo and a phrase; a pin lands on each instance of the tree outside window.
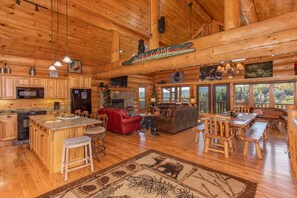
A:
(142, 97)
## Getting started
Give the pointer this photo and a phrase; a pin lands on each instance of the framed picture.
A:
(75, 66)
(210, 73)
(177, 77)
(258, 70)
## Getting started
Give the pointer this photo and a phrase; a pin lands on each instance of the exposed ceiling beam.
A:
(79, 13)
(248, 10)
(199, 10)
(273, 36)
(195, 34)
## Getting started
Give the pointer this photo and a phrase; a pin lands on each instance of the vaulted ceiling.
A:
(27, 33)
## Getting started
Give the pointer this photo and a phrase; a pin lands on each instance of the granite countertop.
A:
(53, 122)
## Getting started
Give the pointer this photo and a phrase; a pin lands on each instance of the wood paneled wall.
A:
(283, 68)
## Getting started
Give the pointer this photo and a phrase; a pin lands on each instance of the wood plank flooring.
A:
(23, 175)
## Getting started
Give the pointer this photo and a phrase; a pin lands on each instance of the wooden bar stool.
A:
(97, 134)
(76, 142)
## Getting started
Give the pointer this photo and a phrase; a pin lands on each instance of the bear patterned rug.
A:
(156, 174)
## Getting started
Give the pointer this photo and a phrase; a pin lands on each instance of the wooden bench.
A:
(254, 134)
(199, 129)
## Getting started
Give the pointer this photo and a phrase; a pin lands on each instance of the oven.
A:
(23, 122)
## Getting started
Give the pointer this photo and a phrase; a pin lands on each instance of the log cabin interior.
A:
(188, 60)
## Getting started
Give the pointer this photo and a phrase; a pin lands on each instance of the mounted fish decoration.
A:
(164, 52)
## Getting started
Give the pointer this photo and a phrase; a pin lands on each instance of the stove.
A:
(23, 122)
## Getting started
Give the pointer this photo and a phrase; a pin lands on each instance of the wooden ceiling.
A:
(26, 33)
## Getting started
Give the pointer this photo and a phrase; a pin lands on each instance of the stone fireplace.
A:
(118, 103)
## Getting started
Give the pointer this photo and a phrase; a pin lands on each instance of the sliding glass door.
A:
(221, 98)
(203, 99)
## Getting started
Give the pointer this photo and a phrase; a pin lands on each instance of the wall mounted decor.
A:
(177, 77)
(210, 73)
(258, 70)
(75, 66)
(163, 52)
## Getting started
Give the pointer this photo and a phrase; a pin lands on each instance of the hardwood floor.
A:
(23, 175)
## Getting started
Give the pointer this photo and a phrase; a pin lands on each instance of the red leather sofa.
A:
(119, 120)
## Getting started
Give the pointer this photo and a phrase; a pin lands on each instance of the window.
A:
(242, 94)
(166, 94)
(261, 95)
(185, 94)
(176, 94)
(141, 96)
(283, 95)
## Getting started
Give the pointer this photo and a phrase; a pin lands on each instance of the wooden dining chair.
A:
(242, 109)
(218, 134)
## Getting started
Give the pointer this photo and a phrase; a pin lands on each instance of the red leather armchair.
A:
(120, 122)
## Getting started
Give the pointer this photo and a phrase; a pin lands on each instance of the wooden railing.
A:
(221, 107)
(203, 107)
(261, 105)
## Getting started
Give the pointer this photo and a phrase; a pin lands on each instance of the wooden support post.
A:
(249, 12)
(154, 34)
(231, 14)
(115, 46)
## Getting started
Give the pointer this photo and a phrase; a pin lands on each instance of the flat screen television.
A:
(121, 81)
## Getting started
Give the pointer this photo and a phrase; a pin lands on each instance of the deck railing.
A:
(221, 107)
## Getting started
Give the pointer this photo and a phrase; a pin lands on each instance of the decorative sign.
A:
(164, 52)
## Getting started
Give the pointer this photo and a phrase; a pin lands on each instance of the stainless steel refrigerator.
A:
(81, 100)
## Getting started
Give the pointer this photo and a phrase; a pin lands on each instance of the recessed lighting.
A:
(121, 50)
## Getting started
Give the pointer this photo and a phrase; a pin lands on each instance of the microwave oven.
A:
(29, 92)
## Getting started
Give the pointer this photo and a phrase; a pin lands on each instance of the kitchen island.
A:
(47, 133)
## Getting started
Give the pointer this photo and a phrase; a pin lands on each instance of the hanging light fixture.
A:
(67, 58)
(58, 62)
(52, 67)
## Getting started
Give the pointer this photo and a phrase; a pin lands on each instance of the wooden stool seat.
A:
(254, 134)
(97, 134)
(76, 142)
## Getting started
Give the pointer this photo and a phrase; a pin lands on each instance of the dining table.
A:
(241, 121)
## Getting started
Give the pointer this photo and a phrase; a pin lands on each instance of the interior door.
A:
(221, 98)
(203, 99)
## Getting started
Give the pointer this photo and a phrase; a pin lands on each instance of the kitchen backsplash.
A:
(32, 103)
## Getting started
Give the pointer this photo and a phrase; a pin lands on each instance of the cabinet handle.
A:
(42, 135)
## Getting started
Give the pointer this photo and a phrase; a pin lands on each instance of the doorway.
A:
(203, 99)
(221, 98)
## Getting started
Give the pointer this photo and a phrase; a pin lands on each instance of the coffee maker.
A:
(56, 105)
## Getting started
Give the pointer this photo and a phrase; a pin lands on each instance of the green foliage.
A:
(107, 98)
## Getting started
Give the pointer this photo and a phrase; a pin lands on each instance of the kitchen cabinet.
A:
(37, 82)
(62, 86)
(80, 82)
(8, 127)
(50, 88)
(29, 82)
(8, 87)
(39, 141)
(22, 82)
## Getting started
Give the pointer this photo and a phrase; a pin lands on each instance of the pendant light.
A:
(58, 62)
(67, 58)
(52, 67)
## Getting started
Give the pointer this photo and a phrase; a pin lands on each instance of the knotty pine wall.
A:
(283, 68)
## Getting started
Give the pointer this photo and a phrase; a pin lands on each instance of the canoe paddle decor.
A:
(164, 52)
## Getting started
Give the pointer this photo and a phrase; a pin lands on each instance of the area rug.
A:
(156, 174)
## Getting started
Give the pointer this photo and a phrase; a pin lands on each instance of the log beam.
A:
(154, 33)
(231, 14)
(24, 61)
(115, 46)
(249, 11)
(265, 38)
